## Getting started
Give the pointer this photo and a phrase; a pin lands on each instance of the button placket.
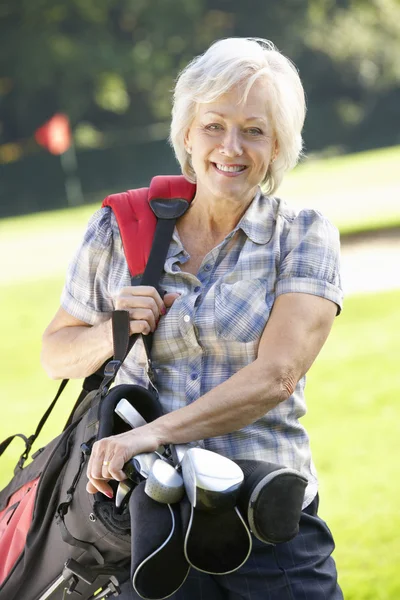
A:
(193, 381)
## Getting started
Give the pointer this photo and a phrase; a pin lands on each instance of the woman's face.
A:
(232, 144)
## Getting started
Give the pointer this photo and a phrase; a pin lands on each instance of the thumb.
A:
(170, 298)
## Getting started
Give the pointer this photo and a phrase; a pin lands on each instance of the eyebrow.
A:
(254, 118)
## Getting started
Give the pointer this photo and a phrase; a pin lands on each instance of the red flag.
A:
(55, 134)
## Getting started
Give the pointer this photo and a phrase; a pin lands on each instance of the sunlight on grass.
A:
(353, 424)
(355, 191)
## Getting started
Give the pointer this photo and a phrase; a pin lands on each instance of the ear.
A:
(275, 151)
(188, 145)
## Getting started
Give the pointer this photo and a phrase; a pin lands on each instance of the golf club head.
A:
(178, 452)
(212, 481)
(140, 466)
(123, 490)
(164, 484)
(129, 414)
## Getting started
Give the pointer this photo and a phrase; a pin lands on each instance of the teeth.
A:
(233, 169)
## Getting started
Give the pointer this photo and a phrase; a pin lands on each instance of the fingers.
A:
(105, 463)
(109, 456)
(144, 305)
(169, 299)
(140, 296)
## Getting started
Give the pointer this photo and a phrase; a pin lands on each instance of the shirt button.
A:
(193, 376)
(207, 267)
(197, 288)
(186, 318)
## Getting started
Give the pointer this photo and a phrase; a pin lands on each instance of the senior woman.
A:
(252, 291)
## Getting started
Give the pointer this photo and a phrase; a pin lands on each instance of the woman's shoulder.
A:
(301, 219)
(102, 227)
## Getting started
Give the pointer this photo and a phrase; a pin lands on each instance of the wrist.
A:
(157, 433)
(105, 330)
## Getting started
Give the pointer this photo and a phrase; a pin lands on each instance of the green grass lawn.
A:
(356, 191)
(353, 423)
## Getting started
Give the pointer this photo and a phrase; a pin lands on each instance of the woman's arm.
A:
(72, 349)
(295, 333)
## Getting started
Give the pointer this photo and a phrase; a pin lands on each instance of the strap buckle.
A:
(28, 445)
(111, 368)
(110, 371)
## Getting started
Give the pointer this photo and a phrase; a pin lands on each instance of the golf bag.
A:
(56, 540)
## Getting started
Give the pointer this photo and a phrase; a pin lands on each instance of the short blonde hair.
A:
(230, 62)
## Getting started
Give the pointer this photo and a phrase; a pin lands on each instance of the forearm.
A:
(75, 352)
(239, 401)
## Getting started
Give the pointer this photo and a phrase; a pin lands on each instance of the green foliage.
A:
(101, 59)
(360, 37)
(112, 63)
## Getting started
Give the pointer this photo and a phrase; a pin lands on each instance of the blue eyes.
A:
(253, 131)
(213, 127)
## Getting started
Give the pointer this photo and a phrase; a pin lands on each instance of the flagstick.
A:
(73, 188)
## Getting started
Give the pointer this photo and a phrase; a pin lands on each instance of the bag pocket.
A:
(15, 522)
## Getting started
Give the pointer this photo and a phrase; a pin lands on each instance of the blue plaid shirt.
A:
(213, 329)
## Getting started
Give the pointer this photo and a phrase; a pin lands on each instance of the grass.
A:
(352, 421)
(356, 191)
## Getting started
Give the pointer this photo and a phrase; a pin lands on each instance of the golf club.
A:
(129, 414)
(164, 484)
(123, 491)
(212, 481)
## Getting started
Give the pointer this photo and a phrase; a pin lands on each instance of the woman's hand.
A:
(145, 306)
(110, 454)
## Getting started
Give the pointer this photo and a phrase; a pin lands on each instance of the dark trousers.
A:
(302, 569)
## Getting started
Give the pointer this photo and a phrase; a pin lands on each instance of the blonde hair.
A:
(237, 61)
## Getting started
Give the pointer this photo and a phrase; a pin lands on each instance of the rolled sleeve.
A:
(86, 293)
(310, 258)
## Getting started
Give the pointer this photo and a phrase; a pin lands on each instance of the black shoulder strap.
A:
(29, 441)
(167, 212)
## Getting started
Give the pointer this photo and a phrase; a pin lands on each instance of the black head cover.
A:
(158, 564)
(271, 499)
(216, 542)
(143, 400)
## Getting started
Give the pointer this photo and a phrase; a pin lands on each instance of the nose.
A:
(231, 144)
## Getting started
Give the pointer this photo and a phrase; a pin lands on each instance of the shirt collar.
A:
(259, 219)
(257, 223)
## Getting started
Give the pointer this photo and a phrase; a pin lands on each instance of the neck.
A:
(217, 215)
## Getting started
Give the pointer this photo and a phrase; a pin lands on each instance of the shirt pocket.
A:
(242, 310)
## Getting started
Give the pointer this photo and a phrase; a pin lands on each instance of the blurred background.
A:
(85, 100)
(109, 66)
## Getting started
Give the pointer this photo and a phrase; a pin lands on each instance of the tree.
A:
(109, 62)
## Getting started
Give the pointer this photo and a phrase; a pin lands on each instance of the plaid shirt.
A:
(213, 329)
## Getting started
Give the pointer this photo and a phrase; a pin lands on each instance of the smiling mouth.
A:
(232, 169)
